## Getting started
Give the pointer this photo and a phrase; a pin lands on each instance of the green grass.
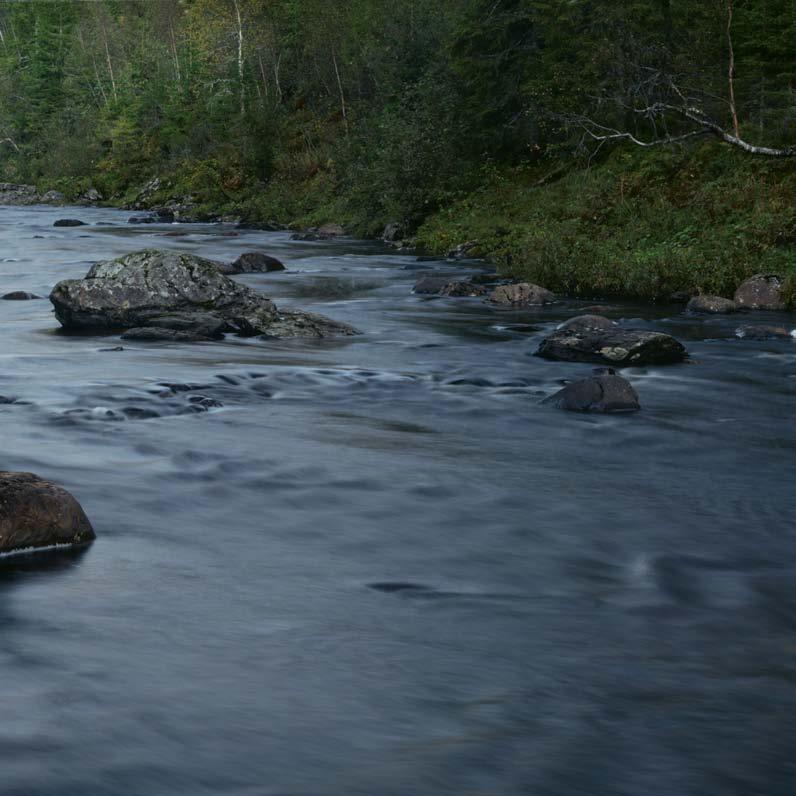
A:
(639, 224)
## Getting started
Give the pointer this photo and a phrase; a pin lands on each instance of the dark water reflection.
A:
(381, 566)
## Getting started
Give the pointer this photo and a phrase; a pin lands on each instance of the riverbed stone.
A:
(584, 322)
(763, 332)
(252, 263)
(521, 294)
(710, 305)
(38, 513)
(20, 295)
(760, 292)
(69, 222)
(612, 347)
(604, 391)
(150, 288)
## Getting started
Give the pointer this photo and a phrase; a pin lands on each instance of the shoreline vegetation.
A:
(607, 149)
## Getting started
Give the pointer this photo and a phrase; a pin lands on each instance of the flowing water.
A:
(380, 565)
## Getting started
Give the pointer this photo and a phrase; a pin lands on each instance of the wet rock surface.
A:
(182, 292)
(604, 391)
(581, 323)
(763, 332)
(38, 513)
(20, 295)
(69, 222)
(612, 346)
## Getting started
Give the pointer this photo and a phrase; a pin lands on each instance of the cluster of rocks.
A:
(325, 232)
(759, 292)
(489, 287)
(14, 194)
(154, 294)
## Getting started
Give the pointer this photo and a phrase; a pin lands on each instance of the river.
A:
(381, 565)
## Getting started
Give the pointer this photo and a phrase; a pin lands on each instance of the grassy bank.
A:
(639, 224)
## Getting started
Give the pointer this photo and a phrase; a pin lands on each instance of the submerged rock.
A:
(752, 332)
(69, 222)
(612, 346)
(252, 263)
(182, 292)
(710, 305)
(604, 391)
(582, 323)
(761, 292)
(38, 513)
(20, 295)
(522, 294)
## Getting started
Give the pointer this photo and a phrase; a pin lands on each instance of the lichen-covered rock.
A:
(761, 292)
(252, 263)
(604, 391)
(522, 294)
(710, 305)
(163, 289)
(463, 289)
(37, 513)
(612, 347)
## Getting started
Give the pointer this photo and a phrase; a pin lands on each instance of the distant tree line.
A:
(403, 103)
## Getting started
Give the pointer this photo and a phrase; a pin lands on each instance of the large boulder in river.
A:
(604, 391)
(710, 305)
(612, 347)
(38, 513)
(147, 288)
(69, 222)
(252, 263)
(522, 294)
(761, 292)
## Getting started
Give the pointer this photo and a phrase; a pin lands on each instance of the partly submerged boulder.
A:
(164, 289)
(710, 305)
(38, 513)
(252, 263)
(20, 295)
(522, 294)
(755, 332)
(69, 222)
(761, 292)
(582, 323)
(612, 346)
(604, 391)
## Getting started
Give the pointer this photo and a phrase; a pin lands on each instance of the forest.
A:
(613, 146)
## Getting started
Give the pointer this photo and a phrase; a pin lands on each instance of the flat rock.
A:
(20, 295)
(69, 222)
(604, 391)
(150, 288)
(612, 346)
(760, 292)
(522, 294)
(711, 305)
(252, 263)
(38, 513)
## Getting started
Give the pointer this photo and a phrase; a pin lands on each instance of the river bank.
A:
(638, 225)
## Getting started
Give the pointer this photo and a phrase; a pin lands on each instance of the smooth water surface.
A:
(381, 566)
